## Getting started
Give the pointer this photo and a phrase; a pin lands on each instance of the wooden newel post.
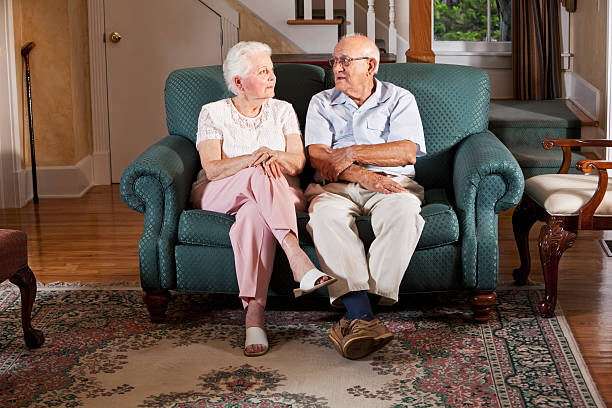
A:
(420, 32)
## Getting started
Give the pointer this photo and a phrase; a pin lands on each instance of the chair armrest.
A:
(172, 162)
(479, 156)
(585, 214)
(157, 183)
(567, 144)
(487, 180)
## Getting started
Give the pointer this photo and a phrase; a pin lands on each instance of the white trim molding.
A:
(60, 181)
(609, 81)
(99, 95)
(11, 193)
(582, 93)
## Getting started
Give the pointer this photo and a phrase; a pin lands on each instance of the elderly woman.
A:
(251, 151)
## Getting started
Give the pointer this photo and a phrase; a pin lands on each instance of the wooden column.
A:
(420, 32)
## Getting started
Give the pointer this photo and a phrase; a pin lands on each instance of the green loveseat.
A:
(469, 176)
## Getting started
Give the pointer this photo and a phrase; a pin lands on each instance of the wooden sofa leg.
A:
(157, 304)
(553, 242)
(26, 281)
(482, 305)
(523, 219)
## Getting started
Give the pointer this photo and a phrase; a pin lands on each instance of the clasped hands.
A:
(338, 160)
(267, 160)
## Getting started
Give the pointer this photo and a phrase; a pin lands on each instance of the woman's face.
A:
(259, 83)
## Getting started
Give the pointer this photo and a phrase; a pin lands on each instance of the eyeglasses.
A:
(344, 61)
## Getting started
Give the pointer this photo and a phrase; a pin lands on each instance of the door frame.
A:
(99, 92)
(12, 192)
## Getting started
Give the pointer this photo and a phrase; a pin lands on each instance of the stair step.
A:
(318, 21)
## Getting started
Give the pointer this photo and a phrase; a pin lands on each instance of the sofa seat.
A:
(201, 227)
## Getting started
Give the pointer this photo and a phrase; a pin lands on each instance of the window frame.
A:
(491, 48)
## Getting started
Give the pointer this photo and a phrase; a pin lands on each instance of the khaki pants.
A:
(397, 226)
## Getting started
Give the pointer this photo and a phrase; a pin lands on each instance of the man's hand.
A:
(380, 183)
(336, 162)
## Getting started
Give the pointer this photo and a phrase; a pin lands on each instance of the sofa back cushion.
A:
(188, 89)
(453, 101)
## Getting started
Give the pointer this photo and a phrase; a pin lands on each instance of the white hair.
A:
(370, 48)
(239, 59)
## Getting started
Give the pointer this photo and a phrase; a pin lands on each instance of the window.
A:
(472, 20)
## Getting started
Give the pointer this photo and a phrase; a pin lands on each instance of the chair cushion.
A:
(564, 194)
(13, 252)
(201, 227)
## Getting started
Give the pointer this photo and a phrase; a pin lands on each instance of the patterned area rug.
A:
(102, 351)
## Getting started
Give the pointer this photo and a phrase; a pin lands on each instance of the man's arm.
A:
(332, 162)
(320, 159)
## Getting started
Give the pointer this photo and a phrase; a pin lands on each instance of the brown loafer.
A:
(337, 333)
(364, 338)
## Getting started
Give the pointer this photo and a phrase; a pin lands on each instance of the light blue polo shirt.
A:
(390, 114)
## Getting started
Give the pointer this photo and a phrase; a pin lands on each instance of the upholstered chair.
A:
(566, 203)
(14, 267)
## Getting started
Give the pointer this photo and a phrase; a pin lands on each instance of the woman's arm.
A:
(293, 160)
(217, 168)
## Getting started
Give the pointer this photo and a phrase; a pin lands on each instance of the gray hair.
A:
(370, 48)
(238, 61)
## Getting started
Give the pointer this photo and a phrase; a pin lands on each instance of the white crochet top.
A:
(242, 135)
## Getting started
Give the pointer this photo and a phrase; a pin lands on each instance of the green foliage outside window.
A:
(465, 20)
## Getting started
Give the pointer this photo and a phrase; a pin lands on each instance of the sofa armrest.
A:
(157, 183)
(487, 180)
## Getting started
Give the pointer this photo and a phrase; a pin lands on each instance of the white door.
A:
(157, 37)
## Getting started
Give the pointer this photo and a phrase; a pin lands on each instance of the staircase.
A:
(316, 25)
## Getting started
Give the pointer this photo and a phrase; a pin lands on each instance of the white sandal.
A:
(255, 335)
(307, 284)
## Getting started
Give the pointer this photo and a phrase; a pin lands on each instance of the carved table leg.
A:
(523, 218)
(553, 242)
(26, 281)
(482, 305)
(157, 304)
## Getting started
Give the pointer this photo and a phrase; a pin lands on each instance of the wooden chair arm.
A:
(585, 214)
(567, 144)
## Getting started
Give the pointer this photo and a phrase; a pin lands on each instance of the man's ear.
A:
(371, 65)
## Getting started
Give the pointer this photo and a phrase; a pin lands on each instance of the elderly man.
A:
(363, 138)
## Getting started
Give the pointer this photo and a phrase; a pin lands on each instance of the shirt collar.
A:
(380, 95)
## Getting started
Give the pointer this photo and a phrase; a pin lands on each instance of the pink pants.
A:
(265, 213)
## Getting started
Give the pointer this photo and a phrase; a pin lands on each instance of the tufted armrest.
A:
(487, 180)
(157, 184)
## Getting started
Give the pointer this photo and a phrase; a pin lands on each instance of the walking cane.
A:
(25, 52)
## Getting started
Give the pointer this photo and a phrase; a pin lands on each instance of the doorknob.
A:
(115, 37)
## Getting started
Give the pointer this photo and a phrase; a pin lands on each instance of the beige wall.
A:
(59, 66)
(588, 44)
(252, 28)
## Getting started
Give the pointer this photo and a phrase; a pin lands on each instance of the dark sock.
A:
(358, 305)
(373, 299)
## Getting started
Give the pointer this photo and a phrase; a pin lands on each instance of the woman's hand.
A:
(261, 155)
(272, 168)
(268, 160)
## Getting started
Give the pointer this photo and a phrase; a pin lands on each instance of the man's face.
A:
(353, 79)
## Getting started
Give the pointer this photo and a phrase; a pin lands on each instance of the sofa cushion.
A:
(201, 227)
(189, 88)
(531, 114)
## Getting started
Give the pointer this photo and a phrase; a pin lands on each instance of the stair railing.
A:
(349, 22)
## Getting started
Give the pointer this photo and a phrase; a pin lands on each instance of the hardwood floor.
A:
(95, 239)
